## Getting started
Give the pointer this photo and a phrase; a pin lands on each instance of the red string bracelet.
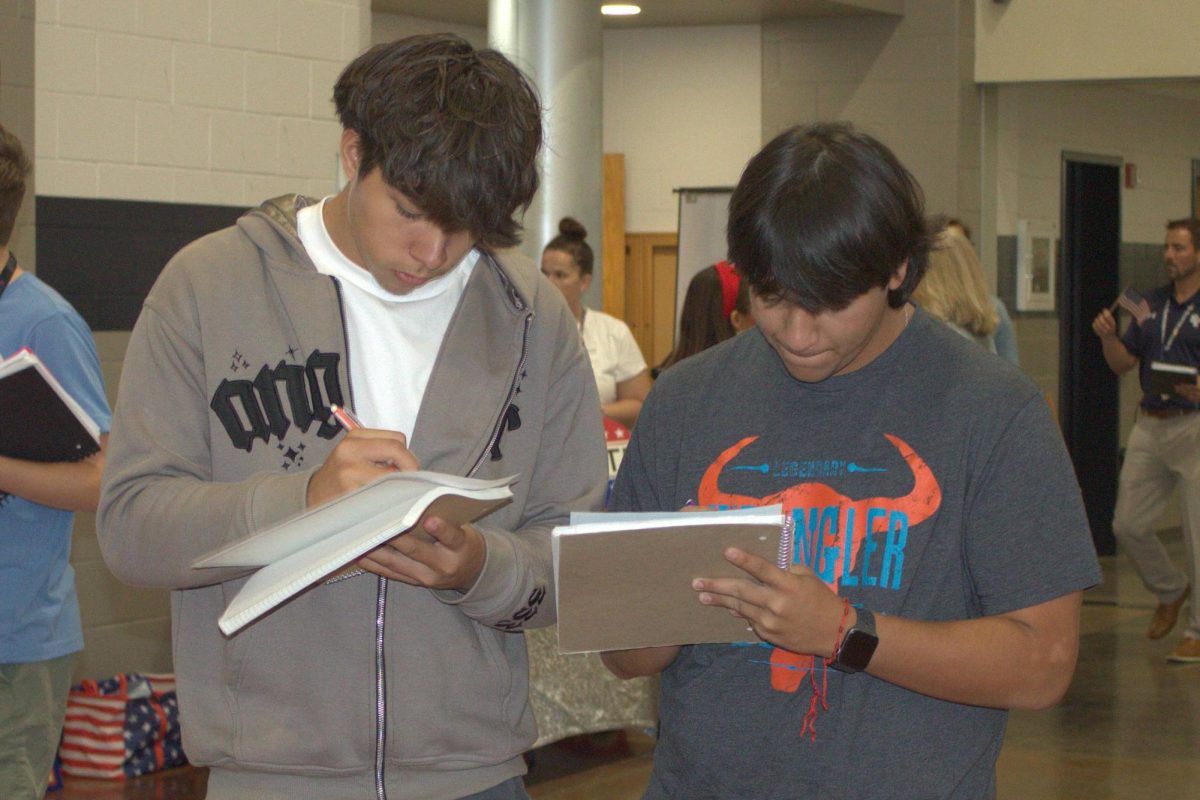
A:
(818, 701)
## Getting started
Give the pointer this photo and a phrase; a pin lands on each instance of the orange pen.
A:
(344, 417)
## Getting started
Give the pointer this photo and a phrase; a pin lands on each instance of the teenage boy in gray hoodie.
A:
(406, 676)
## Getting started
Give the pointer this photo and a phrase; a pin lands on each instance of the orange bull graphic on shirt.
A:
(834, 533)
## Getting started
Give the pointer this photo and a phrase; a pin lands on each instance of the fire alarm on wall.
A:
(1131, 176)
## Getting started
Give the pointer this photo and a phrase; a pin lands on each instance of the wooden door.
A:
(650, 292)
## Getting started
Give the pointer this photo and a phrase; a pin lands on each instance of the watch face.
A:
(857, 649)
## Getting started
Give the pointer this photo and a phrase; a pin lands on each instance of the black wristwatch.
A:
(858, 645)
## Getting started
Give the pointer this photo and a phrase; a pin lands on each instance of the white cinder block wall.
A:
(389, 27)
(684, 105)
(224, 102)
(195, 101)
(905, 80)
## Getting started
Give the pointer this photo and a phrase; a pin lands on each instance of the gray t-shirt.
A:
(952, 459)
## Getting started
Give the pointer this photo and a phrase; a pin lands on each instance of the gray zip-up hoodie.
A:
(220, 421)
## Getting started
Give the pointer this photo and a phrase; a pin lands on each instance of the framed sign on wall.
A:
(1037, 266)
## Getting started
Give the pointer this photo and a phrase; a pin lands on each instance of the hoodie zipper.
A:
(380, 595)
(380, 687)
(381, 585)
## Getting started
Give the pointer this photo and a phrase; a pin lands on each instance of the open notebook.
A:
(625, 580)
(299, 552)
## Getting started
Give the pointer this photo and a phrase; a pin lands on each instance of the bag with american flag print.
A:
(121, 727)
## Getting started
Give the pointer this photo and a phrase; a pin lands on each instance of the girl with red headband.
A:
(715, 308)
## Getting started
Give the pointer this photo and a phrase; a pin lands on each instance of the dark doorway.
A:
(1089, 391)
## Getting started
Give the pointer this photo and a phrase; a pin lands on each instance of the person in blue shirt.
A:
(40, 631)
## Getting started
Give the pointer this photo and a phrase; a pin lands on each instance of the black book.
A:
(1165, 376)
(39, 421)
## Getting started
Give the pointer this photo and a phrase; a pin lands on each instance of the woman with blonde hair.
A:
(953, 289)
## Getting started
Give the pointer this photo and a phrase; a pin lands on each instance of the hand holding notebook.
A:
(1165, 379)
(41, 421)
(625, 580)
(305, 549)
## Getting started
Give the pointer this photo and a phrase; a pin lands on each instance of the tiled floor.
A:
(1129, 727)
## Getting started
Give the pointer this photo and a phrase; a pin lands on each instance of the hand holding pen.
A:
(453, 555)
(345, 417)
(361, 456)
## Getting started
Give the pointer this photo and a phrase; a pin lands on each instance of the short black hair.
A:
(824, 213)
(455, 129)
(14, 169)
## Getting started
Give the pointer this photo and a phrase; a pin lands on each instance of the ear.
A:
(740, 321)
(585, 280)
(898, 276)
(350, 151)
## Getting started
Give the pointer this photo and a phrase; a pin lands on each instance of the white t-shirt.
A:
(393, 339)
(614, 352)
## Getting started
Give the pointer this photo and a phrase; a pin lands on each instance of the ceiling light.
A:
(620, 9)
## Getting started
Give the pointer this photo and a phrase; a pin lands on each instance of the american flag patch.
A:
(121, 727)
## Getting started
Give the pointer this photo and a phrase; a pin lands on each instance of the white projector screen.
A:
(703, 213)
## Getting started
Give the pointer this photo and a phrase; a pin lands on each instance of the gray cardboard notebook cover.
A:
(624, 580)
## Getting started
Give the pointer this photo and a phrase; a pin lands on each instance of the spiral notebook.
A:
(625, 580)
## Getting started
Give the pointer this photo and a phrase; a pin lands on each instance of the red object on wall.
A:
(1131, 176)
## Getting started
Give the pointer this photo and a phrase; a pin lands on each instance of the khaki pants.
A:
(1162, 455)
(33, 702)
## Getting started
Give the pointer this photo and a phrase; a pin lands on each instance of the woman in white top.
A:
(621, 374)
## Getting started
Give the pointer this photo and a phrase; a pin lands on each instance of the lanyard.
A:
(7, 274)
(1178, 325)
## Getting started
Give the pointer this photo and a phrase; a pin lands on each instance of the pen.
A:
(349, 422)
(344, 417)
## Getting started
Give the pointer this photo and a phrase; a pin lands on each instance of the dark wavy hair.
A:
(570, 240)
(455, 129)
(702, 322)
(823, 214)
(14, 169)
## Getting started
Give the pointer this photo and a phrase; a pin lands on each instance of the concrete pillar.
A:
(559, 44)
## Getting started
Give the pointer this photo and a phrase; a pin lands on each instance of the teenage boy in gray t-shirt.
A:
(941, 545)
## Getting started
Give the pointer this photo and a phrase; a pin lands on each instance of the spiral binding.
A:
(787, 535)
